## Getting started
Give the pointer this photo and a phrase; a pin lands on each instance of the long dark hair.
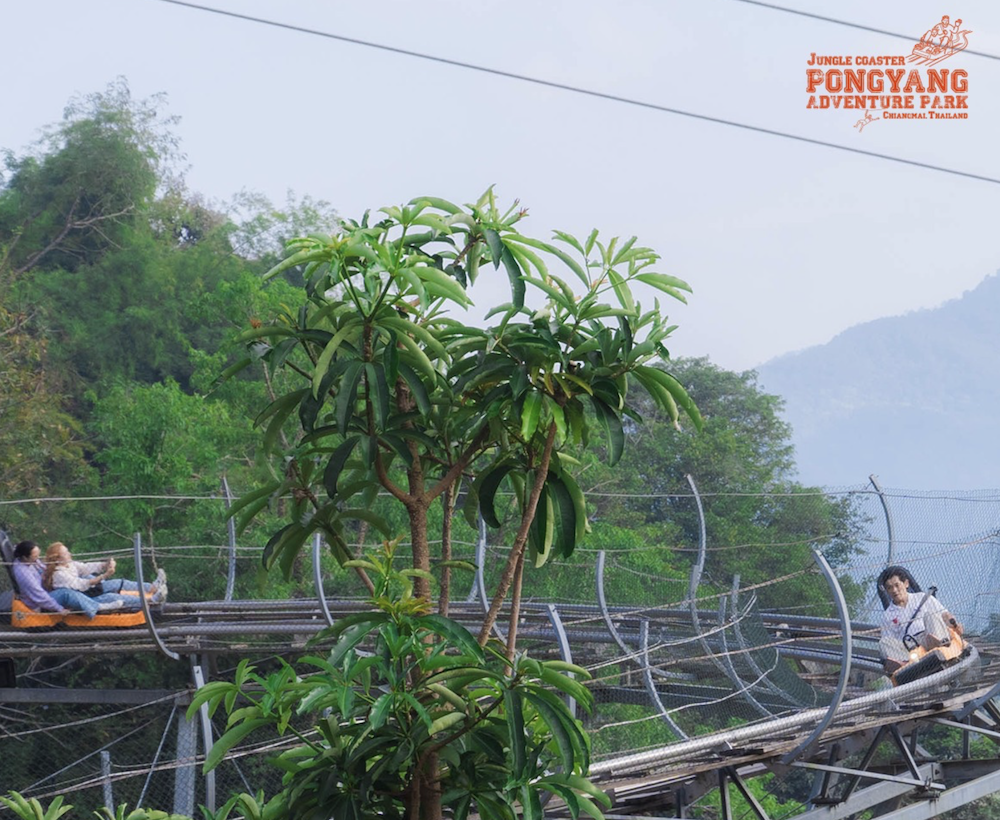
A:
(23, 550)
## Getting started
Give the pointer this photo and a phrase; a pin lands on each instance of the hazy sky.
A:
(785, 243)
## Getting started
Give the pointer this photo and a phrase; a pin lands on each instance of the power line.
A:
(588, 92)
(849, 24)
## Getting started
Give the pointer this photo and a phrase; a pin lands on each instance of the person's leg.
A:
(75, 601)
(119, 585)
(112, 600)
(936, 632)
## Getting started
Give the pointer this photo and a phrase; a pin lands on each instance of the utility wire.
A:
(587, 92)
(849, 24)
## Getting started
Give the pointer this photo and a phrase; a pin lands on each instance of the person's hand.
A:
(111, 568)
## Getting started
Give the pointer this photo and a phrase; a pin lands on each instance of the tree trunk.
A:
(444, 599)
(522, 538)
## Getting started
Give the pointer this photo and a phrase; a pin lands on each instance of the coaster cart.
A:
(23, 617)
(928, 54)
(924, 662)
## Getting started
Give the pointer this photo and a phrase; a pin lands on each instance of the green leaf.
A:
(334, 467)
(530, 413)
(675, 389)
(250, 498)
(233, 369)
(495, 244)
(454, 633)
(347, 395)
(229, 740)
(412, 330)
(419, 358)
(566, 259)
(543, 528)
(377, 385)
(436, 202)
(555, 294)
(622, 291)
(278, 411)
(514, 713)
(323, 362)
(488, 484)
(300, 258)
(417, 388)
(515, 276)
(446, 721)
(579, 503)
(564, 514)
(670, 285)
(531, 805)
(612, 424)
(443, 284)
(270, 548)
(554, 722)
(576, 690)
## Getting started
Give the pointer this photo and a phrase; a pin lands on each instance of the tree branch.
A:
(522, 537)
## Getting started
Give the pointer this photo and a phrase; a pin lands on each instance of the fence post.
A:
(888, 519)
(231, 533)
(109, 797)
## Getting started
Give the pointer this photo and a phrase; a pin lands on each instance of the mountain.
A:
(914, 399)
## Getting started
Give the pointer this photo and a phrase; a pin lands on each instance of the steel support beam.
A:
(127, 697)
(865, 798)
(953, 798)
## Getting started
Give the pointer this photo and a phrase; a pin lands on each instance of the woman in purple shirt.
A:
(28, 575)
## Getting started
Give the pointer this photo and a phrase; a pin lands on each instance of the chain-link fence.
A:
(720, 616)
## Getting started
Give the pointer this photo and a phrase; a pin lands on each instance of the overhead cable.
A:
(587, 92)
(849, 24)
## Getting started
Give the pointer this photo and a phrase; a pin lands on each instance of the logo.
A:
(865, 120)
(940, 42)
(882, 87)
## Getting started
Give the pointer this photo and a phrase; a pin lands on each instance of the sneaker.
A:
(110, 606)
(161, 577)
(160, 596)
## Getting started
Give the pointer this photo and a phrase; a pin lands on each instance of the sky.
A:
(784, 243)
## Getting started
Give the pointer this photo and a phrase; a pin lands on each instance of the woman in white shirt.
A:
(90, 577)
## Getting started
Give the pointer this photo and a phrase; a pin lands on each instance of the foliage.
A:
(40, 442)
(758, 519)
(95, 172)
(427, 691)
(388, 378)
(31, 809)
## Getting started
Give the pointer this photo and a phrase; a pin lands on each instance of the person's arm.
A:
(67, 576)
(29, 584)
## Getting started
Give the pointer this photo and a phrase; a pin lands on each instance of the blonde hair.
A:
(53, 558)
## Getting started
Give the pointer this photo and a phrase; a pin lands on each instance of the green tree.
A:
(426, 692)
(398, 396)
(92, 177)
(155, 440)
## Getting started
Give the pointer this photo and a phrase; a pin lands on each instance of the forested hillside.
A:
(911, 398)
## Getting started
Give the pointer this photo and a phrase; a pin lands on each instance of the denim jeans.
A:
(123, 585)
(78, 602)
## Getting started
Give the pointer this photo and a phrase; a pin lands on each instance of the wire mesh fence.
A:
(713, 613)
